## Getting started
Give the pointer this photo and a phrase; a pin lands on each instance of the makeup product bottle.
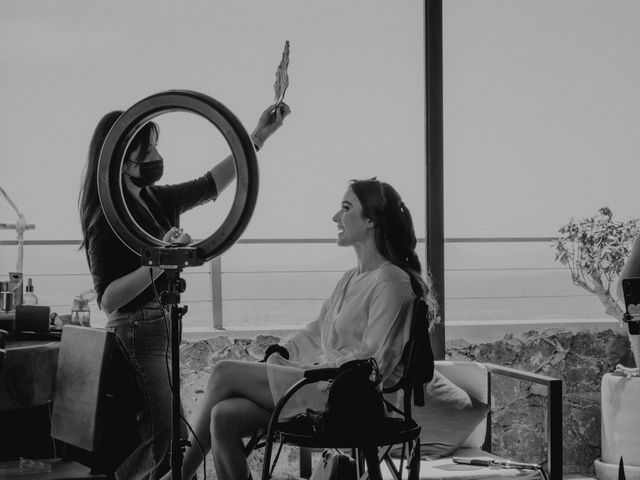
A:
(30, 298)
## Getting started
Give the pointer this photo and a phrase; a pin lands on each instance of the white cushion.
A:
(473, 378)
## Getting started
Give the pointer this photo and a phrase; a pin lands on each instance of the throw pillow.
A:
(447, 418)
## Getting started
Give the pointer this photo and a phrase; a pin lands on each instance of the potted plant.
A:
(595, 250)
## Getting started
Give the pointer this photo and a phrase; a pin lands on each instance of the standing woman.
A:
(124, 287)
(367, 315)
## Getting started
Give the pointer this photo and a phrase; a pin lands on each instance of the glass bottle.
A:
(80, 312)
(30, 298)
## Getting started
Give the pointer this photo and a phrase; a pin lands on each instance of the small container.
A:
(15, 286)
(7, 301)
(30, 298)
(80, 312)
(60, 321)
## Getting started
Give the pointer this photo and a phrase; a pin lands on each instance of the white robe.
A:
(367, 315)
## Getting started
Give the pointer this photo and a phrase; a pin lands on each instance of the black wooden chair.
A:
(399, 436)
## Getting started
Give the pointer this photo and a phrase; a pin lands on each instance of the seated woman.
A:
(367, 315)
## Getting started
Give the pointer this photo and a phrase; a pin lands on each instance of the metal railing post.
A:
(216, 292)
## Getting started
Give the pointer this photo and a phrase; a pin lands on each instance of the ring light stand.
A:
(154, 252)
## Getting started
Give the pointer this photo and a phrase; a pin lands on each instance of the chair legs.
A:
(410, 462)
(373, 462)
(414, 461)
(266, 462)
(368, 456)
(305, 462)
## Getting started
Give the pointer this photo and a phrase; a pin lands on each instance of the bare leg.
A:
(231, 421)
(230, 379)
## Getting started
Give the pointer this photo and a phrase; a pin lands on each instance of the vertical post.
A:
(434, 162)
(216, 292)
(486, 446)
(554, 430)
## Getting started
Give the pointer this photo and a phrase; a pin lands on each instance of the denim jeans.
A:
(145, 336)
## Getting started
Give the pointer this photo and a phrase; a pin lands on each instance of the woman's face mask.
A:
(150, 166)
(150, 172)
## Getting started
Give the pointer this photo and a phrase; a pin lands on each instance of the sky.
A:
(540, 104)
(356, 81)
(541, 108)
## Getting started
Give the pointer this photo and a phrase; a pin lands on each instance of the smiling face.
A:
(352, 227)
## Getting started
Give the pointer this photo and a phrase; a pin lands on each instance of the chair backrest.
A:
(91, 376)
(473, 378)
(417, 358)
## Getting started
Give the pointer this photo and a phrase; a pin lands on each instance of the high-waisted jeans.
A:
(146, 339)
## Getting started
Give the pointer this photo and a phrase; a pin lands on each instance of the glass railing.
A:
(281, 283)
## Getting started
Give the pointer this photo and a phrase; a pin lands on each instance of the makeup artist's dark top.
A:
(110, 259)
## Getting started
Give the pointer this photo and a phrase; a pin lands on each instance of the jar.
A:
(7, 301)
(80, 312)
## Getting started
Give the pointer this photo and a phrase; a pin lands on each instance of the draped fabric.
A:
(367, 315)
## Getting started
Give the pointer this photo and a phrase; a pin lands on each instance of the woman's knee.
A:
(222, 374)
(224, 420)
(240, 379)
(236, 418)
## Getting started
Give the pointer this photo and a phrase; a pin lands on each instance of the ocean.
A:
(282, 285)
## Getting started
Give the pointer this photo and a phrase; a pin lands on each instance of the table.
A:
(60, 470)
(27, 381)
(28, 372)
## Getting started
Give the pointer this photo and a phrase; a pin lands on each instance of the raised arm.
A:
(270, 121)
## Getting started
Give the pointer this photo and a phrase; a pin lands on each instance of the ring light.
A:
(112, 159)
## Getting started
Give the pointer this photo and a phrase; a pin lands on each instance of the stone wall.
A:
(580, 359)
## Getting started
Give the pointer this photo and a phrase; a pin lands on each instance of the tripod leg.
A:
(177, 444)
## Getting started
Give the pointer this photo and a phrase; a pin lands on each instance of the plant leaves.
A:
(282, 77)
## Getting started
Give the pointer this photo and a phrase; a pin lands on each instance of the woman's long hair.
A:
(394, 234)
(88, 200)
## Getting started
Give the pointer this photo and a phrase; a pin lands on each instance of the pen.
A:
(480, 462)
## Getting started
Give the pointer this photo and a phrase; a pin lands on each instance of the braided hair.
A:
(394, 233)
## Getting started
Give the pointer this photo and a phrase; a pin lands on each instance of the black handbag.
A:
(355, 405)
